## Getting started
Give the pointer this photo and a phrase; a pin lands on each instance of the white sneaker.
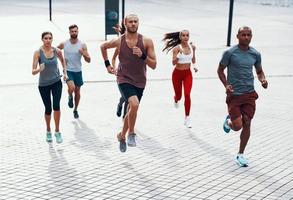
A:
(187, 122)
(176, 105)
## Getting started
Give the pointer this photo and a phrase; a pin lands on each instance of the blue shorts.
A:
(76, 77)
(127, 90)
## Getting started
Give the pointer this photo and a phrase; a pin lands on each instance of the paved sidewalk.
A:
(170, 161)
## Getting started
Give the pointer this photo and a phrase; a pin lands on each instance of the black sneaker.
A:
(122, 143)
(119, 109)
(75, 114)
(70, 101)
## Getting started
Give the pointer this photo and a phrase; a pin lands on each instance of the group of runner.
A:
(135, 52)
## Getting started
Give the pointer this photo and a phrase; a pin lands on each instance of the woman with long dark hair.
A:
(45, 63)
(183, 57)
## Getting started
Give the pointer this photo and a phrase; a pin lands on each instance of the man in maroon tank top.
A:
(135, 52)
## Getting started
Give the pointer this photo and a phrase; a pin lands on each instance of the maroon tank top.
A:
(131, 68)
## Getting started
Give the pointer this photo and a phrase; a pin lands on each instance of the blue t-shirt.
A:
(239, 65)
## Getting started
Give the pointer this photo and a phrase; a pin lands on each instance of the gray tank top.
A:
(131, 69)
(72, 56)
(50, 74)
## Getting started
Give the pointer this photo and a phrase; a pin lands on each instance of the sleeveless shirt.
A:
(185, 58)
(72, 55)
(131, 68)
(50, 74)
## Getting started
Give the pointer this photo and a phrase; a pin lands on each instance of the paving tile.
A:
(170, 161)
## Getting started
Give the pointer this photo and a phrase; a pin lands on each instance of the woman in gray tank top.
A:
(46, 64)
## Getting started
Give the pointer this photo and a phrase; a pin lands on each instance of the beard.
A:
(132, 29)
(73, 36)
(245, 42)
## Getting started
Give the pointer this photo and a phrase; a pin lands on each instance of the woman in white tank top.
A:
(183, 58)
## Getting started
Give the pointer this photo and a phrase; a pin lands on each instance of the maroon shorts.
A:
(241, 105)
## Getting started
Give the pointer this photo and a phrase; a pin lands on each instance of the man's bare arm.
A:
(114, 43)
(84, 52)
(150, 60)
(223, 78)
(61, 46)
(261, 77)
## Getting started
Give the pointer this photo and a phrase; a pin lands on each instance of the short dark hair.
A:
(46, 33)
(72, 26)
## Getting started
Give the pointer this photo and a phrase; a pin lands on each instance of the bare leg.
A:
(133, 104)
(245, 134)
(76, 97)
(71, 87)
(130, 117)
(57, 120)
(125, 127)
(48, 121)
(236, 124)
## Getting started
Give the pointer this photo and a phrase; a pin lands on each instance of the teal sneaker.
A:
(58, 137)
(226, 127)
(70, 101)
(241, 161)
(49, 137)
(131, 140)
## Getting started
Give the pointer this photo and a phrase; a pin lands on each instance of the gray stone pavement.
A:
(170, 161)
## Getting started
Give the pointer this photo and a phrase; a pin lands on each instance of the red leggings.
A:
(184, 77)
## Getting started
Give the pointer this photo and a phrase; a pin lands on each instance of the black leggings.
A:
(45, 92)
(121, 101)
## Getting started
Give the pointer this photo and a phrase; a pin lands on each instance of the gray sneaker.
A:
(122, 143)
(131, 139)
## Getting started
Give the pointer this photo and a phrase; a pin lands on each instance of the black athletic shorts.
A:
(127, 90)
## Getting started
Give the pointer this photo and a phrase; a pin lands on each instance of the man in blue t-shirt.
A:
(239, 85)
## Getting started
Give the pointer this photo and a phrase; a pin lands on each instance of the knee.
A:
(134, 106)
(237, 124)
(246, 121)
(187, 96)
(237, 127)
(48, 111)
(77, 90)
(56, 107)
(71, 88)
(77, 93)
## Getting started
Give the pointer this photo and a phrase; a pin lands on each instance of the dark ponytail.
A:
(172, 40)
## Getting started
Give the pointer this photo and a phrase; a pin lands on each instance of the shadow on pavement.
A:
(87, 140)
